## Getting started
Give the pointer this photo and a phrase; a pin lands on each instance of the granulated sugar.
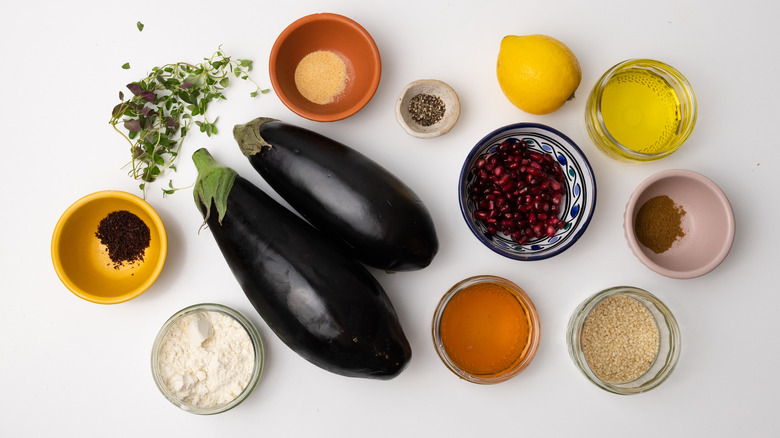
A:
(206, 359)
(620, 339)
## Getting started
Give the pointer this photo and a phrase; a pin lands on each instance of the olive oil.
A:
(641, 111)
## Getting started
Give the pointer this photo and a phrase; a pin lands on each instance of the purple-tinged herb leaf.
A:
(147, 96)
(135, 88)
(164, 106)
(132, 125)
(118, 110)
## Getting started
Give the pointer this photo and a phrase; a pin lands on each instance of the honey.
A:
(485, 329)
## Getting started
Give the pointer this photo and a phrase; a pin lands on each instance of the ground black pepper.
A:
(125, 236)
(426, 109)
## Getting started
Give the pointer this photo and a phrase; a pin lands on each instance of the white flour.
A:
(206, 359)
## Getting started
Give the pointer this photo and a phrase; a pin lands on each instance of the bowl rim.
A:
(534, 336)
(569, 144)
(580, 316)
(442, 127)
(319, 17)
(157, 223)
(254, 336)
(633, 243)
(596, 127)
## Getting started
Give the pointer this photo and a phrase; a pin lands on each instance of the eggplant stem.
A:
(248, 136)
(213, 184)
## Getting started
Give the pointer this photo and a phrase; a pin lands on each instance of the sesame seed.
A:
(620, 339)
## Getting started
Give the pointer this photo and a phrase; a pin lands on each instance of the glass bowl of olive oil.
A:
(640, 110)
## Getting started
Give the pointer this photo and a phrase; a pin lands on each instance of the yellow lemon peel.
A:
(537, 73)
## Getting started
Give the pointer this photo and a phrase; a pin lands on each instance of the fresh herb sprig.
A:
(165, 104)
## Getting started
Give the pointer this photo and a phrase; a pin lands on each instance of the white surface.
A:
(73, 368)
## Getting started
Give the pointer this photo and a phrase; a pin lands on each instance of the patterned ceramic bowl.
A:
(573, 209)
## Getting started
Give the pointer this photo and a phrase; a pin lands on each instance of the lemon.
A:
(537, 73)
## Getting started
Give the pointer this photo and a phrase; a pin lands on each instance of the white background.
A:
(73, 368)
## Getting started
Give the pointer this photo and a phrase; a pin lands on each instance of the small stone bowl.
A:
(708, 224)
(575, 210)
(82, 262)
(434, 88)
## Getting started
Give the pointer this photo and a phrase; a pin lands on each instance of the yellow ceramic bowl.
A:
(82, 262)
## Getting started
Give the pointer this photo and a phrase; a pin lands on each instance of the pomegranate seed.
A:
(518, 192)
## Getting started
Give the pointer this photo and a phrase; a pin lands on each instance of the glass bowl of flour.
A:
(207, 358)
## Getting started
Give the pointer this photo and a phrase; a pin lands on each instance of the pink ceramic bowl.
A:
(708, 224)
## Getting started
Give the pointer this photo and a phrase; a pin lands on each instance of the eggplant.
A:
(343, 193)
(322, 303)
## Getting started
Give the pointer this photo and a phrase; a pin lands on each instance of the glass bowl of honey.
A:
(640, 110)
(486, 329)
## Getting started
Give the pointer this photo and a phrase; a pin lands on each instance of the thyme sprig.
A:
(164, 105)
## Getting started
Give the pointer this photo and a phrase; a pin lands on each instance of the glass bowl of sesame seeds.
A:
(624, 339)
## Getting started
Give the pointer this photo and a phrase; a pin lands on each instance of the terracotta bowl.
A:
(337, 34)
(708, 224)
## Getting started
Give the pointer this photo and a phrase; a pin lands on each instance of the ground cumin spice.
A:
(658, 223)
(125, 236)
(426, 109)
(321, 76)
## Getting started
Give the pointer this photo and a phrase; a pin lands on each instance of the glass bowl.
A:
(640, 110)
(257, 354)
(575, 209)
(669, 341)
(472, 346)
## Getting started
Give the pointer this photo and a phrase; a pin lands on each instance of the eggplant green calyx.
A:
(248, 136)
(214, 183)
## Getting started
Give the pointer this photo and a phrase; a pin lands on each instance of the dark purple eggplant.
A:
(322, 303)
(343, 193)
